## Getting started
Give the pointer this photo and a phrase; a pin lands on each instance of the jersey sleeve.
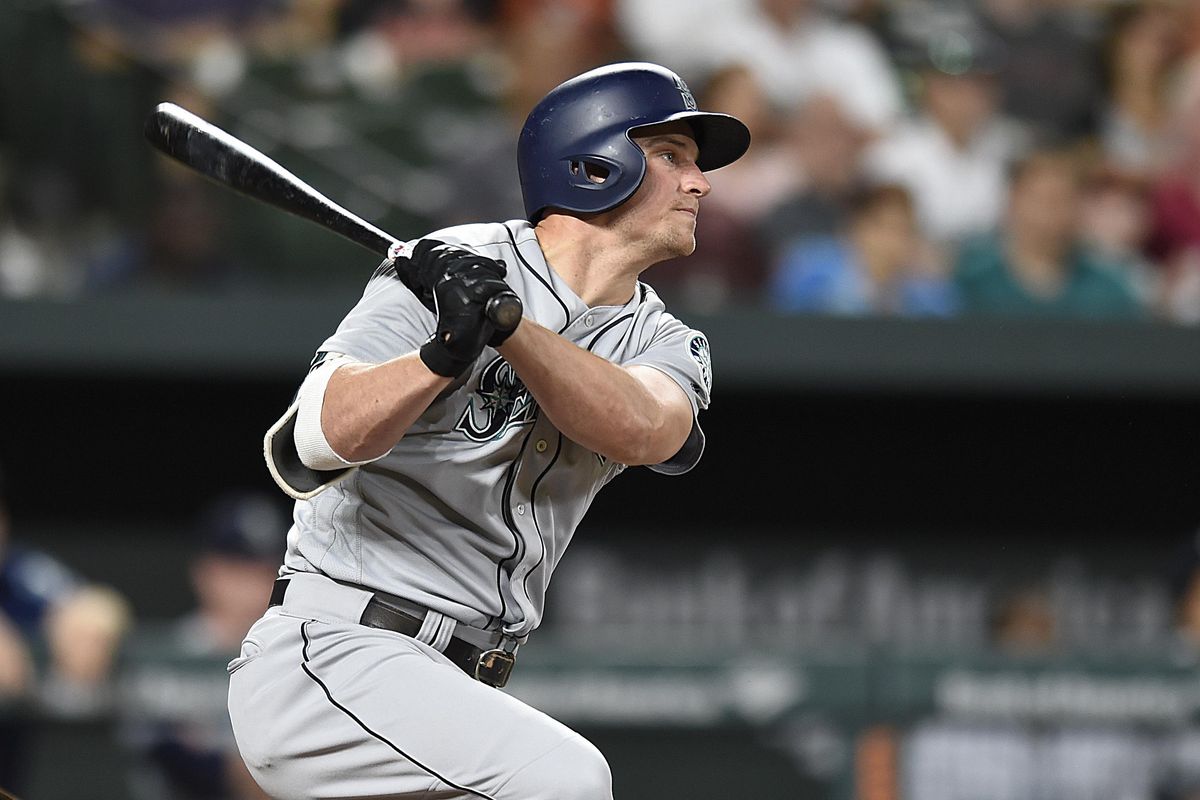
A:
(681, 353)
(388, 321)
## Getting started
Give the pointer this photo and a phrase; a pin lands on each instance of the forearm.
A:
(594, 402)
(367, 408)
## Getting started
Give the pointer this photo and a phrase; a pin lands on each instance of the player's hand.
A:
(463, 328)
(431, 262)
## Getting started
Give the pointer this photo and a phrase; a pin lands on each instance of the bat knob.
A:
(504, 310)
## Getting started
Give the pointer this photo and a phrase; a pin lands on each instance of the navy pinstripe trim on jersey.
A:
(533, 508)
(606, 329)
(566, 311)
(509, 522)
(363, 725)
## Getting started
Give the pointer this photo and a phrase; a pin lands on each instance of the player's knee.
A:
(575, 770)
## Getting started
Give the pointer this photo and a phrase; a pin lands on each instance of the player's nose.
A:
(694, 182)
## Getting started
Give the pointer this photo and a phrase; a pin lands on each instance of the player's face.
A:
(662, 212)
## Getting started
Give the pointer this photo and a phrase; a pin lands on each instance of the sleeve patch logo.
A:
(698, 349)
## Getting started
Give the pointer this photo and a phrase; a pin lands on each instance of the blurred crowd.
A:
(72, 649)
(910, 157)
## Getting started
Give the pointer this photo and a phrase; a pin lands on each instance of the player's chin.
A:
(683, 243)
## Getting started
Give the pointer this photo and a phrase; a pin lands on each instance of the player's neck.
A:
(600, 271)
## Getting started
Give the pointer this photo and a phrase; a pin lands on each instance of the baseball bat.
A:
(222, 157)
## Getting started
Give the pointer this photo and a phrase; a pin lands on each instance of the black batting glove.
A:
(432, 262)
(463, 329)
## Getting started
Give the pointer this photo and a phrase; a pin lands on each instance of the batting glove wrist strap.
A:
(439, 360)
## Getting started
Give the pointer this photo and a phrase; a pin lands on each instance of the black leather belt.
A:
(492, 667)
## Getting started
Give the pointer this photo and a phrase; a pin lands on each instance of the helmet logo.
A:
(688, 100)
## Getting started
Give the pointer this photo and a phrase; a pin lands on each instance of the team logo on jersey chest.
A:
(501, 402)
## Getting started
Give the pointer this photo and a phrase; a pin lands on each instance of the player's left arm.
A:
(632, 415)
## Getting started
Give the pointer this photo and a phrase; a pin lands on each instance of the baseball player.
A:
(441, 466)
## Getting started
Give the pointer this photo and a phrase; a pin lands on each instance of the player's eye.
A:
(669, 156)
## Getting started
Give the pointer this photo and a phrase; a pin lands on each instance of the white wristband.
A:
(311, 445)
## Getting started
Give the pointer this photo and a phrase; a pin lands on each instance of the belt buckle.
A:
(494, 667)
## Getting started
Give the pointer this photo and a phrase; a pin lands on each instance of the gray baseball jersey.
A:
(470, 512)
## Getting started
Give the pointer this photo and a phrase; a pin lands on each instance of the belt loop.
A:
(436, 630)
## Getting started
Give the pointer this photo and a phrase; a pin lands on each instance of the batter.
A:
(441, 466)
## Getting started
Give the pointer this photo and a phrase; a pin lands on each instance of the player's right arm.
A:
(353, 408)
(366, 408)
(353, 413)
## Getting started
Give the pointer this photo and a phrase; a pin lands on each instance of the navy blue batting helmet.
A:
(575, 151)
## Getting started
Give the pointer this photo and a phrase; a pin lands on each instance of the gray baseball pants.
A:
(323, 707)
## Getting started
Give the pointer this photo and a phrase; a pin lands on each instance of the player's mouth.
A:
(692, 211)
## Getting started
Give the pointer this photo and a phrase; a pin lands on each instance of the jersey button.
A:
(589, 320)
(540, 446)
(521, 509)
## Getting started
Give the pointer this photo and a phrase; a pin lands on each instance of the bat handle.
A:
(504, 310)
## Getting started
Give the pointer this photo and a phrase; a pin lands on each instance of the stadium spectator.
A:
(1141, 54)
(670, 31)
(1114, 224)
(187, 751)
(796, 48)
(1050, 82)
(1036, 264)
(953, 155)
(829, 149)
(41, 217)
(182, 247)
(538, 45)
(874, 267)
(1175, 204)
(59, 637)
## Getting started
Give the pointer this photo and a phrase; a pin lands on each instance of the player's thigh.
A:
(370, 713)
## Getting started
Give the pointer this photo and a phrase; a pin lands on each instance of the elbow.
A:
(353, 449)
(646, 440)
(323, 446)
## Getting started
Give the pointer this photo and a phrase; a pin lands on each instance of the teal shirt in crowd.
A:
(1094, 287)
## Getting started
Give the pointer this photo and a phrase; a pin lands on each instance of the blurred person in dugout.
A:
(1035, 264)
(873, 266)
(59, 637)
(953, 154)
(189, 753)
